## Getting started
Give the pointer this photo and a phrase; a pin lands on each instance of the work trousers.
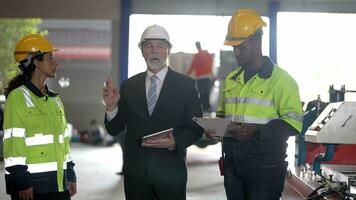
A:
(252, 178)
(46, 196)
(204, 87)
(137, 188)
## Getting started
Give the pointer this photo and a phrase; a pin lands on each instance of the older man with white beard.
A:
(159, 99)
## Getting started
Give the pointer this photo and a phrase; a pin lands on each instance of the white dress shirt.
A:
(161, 76)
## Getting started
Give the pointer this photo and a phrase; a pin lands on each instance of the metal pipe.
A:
(349, 90)
(323, 157)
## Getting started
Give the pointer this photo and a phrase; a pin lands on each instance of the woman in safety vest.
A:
(36, 138)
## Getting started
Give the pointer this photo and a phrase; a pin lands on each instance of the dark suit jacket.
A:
(177, 104)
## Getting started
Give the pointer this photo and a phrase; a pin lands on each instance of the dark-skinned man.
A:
(262, 101)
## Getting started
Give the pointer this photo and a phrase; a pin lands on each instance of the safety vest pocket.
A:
(37, 154)
(36, 121)
(37, 151)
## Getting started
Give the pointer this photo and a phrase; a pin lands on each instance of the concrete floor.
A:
(96, 168)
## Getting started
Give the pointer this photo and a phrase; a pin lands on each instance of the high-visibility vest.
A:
(35, 134)
(261, 99)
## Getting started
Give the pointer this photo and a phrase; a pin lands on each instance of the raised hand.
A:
(72, 186)
(111, 95)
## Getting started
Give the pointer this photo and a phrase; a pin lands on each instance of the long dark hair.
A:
(26, 74)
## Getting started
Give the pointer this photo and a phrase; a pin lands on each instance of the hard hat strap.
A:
(26, 62)
(29, 59)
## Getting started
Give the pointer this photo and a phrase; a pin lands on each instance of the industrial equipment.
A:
(326, 165)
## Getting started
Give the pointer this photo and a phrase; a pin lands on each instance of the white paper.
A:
(217, 124)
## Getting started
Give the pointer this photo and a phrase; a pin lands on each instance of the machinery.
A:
(326, 153)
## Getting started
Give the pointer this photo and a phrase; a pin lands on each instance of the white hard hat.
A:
(155, 32)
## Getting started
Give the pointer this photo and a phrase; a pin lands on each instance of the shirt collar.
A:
(37, 91)
(161, 74)
(264, 72)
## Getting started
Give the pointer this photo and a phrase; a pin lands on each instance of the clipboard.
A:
(217, 124)
(156, 135)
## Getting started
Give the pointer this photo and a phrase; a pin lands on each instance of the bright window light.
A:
(318, 50)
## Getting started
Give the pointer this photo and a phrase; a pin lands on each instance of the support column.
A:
(273, 8)
(126, 10)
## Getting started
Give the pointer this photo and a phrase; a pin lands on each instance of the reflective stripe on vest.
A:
(295, 116)
(12, 161)
(66, 132)
(39, 139)
(61, 138)
(44, 167)
(64, 135)
(249, 119)
(27, 96)
(14, 132)
(250, 100)
(261, 99)
(30, 141)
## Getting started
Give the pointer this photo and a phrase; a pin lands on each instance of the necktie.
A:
(152, 94)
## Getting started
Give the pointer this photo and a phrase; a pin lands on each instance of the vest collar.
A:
(264, 72)
(36, 91)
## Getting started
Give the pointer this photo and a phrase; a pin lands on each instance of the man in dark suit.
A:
(149, 102)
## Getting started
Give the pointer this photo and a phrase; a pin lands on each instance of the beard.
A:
(155, 63)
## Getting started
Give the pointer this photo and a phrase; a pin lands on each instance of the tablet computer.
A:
(156, 135)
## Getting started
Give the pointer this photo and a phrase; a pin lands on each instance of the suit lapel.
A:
(141, 86)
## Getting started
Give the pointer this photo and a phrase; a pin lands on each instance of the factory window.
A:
(317, 49)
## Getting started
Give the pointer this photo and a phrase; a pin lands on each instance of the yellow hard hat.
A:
(32, 43)
(243, 24)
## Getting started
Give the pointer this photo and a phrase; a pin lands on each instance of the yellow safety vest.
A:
(35, 134)
(261, 99)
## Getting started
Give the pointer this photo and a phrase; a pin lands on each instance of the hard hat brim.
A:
(18, 53)
(233, 43)
(26, 52)
(143, 41)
